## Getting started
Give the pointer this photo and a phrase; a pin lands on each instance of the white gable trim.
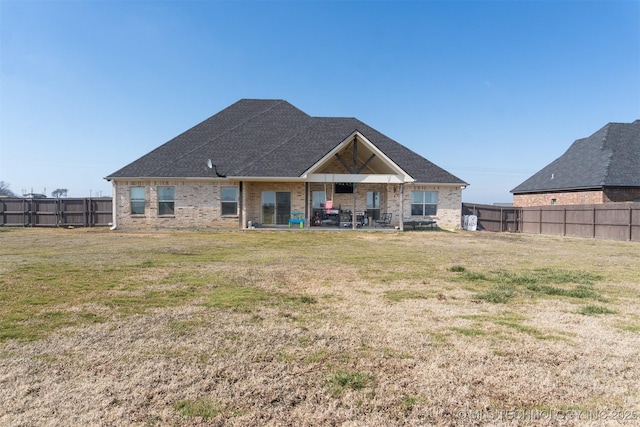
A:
(399, 177)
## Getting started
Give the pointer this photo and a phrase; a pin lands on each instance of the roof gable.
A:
(356, 155)
(608, 158)
(268, 138)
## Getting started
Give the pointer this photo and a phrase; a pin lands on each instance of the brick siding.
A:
(578, 197)
(198, 203)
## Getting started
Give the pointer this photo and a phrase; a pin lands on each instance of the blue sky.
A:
(491, 91)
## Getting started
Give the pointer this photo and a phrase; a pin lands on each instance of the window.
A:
(424, 203)
(137, 200)
(318, 199)
(554, 201)
(166, 200)
(229, 201)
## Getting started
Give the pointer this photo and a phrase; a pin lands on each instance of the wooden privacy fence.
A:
(494, 218)
(19, 212)
(613, 221)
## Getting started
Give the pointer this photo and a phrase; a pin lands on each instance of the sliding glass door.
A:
(276, 207)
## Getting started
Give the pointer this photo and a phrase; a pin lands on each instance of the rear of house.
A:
(264, 162)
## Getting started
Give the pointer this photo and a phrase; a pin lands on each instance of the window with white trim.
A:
(166, 200)
(229, 200)
(137, 195)
(424, 203)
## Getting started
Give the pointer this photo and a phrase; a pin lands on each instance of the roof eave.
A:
(557, 190)
(166, 178)
(442, 184)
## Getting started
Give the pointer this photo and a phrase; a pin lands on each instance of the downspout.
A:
(242, 213)
(114, 217)
(307, 209)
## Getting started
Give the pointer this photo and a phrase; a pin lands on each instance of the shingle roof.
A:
(608, 158)
(268, 138)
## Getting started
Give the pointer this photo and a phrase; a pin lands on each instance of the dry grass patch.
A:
(312, 328)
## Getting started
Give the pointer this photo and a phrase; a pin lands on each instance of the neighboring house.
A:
(268, 161)
(602, 168)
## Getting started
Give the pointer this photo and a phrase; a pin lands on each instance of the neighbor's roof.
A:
(268, 138)
(608, 158)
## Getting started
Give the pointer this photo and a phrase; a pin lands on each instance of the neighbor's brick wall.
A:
(568, 198)
(578, 197)
(197, 205)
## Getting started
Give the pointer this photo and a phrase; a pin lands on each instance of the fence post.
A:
(564, 221)
(630, 223)
(540, 221)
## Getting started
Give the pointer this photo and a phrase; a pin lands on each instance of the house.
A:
(602, 168)
(259, 163)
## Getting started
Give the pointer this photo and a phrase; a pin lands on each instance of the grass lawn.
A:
(317, 328)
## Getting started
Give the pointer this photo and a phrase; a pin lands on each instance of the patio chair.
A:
(385, 220)
(345, 219)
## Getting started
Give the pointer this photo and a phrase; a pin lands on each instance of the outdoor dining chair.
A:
(385, 220)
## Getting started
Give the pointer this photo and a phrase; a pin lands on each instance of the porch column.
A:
(243, 203)
(401, 207)
(307, 208)
(354, 217)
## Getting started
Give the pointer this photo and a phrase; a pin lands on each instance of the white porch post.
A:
(401, 207)
(243, 205)
(354, 217)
